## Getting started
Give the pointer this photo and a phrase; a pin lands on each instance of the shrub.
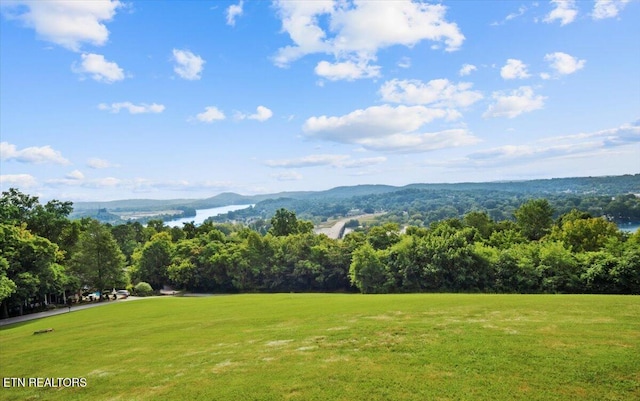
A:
(143, 289)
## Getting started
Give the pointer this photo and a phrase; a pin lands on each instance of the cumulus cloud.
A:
(387, 128)
(188, 65)
(96, 66)
(437, 92)
(514, 69)
(96, 163)
(608, 8)
(512, 104)
(132, 108)
(234, 11)
(347, 70)
(262, 114)
(355, 31)
(210, 114)
(343, 161)
(563, 63)
(467, 69)
(17, 180)
(565, 11)
(420, 142)
(31, 155)
(66, 23)
(376, 121)
(75, 175)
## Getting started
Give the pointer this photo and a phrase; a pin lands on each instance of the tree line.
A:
(46, 257)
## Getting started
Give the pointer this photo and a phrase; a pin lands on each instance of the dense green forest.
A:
(501, 244)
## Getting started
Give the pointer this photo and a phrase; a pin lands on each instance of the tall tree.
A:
(283, 223)
(32, 264)
(368, 272)
(535, 218)
(151, 263)
(98, 261)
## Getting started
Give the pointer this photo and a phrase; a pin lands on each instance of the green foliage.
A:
(367, 271)
(534, 218)
(586, 234)
(97, 261)
(29, 269)
(474, 253)
(7, 286)
(150, 263)
(143, 289)
(283, 223)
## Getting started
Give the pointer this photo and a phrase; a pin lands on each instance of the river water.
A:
(203, 214)
(629, 228)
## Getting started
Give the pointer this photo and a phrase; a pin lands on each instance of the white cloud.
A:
(75, 175)
(347, 70)
(308, 161)
(66, 23)
(467, 69)
(514, 69)
(287, 176)
(17, 180)
(262, 114)
(514, 103)
(565, 11)
(98, 68)
(132, 108)
(564, 63)
(31, 155)
(521, 11)
(387, 128)
(234, 11)
(96, 163)
(405, 62)
(343, 161)
(210, 114)
(437, 92)
(188, 65)
(376, 121)
(608, 8)
(355, 31)
(420, 142)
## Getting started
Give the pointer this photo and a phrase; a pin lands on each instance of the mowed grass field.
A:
(335, 347)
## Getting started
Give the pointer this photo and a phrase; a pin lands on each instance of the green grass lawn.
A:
(335, 347)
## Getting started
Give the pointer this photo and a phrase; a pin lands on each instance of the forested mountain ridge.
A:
(425, 202)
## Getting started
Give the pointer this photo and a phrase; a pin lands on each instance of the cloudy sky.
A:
(106, 100)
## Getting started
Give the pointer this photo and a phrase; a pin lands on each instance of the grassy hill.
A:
(335, 347)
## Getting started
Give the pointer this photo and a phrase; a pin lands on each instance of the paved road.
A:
(59, 311)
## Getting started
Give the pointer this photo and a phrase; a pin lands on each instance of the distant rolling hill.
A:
(609, 185)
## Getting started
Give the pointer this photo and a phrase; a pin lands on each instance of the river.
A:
(629, 228)
(203, 214)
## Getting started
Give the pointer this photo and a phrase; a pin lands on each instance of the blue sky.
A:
(103, 100)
